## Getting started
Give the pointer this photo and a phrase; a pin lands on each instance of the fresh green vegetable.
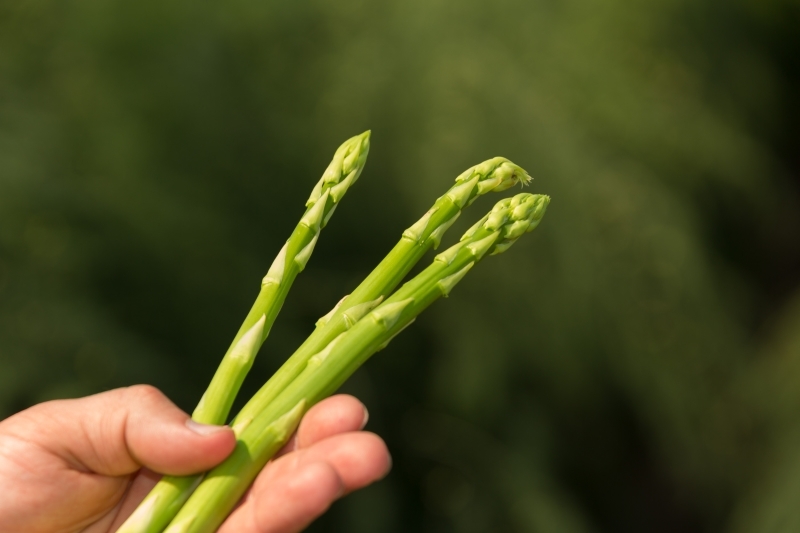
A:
(262, 434)
(496, 174)
(166, 498)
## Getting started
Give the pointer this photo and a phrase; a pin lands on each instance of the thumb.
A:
(116, 432)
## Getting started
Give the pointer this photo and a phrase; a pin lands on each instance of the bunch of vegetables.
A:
(361, 324)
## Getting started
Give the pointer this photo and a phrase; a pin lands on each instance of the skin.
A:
(85, 464)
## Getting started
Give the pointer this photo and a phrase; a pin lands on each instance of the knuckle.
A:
(145, 394)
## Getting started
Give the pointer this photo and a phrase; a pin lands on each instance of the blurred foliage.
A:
(633, 365)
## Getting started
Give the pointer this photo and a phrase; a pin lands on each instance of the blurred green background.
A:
(633, 365)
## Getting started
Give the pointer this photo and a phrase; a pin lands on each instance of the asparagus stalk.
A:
(496, 174)
(342, 172)
(264, 434)
(166, 498)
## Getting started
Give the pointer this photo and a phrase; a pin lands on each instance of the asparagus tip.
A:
(496, 174)
(510, 218)
(343, 170)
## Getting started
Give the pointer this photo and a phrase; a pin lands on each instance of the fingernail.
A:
(366, 417)
(204, 429)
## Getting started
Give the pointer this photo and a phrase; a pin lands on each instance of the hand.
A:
(84, 464)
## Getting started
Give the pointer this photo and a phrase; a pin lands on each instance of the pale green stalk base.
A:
(161, 504)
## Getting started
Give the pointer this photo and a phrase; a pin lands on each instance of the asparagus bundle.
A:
(263, 425)
(261, 436)
(494, 175)
(166, 498)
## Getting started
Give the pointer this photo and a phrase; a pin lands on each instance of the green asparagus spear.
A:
(261, 436)
(496, 174)
(342, 172)
(166, 498)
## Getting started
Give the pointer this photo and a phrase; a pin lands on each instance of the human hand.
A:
(85, 464)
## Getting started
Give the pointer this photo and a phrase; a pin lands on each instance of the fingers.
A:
(293, 501)
(296, 488)
(359, 458)
(334, 415)
(116, 432)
